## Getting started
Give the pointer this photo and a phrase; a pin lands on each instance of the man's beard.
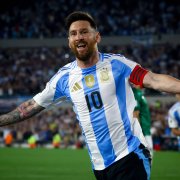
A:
(84, 56)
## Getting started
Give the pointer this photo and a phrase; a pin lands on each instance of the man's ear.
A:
(98, 37)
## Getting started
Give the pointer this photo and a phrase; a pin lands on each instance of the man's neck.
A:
(90, 62)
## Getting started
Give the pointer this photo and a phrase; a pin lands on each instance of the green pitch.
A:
(166, 166)
(58, 164)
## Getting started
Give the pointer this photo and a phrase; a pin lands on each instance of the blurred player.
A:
(98, 84)
(142, 112)
(174, 119)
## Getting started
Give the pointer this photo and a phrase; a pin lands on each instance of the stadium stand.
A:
(45, 19)
(150, 31)
(40, 64)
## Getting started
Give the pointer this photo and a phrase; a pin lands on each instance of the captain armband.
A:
(137, 75)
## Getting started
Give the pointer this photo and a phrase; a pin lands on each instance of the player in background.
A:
(142, 113)
(99, 86)
(174, 119)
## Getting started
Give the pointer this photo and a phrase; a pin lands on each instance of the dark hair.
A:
(80, 15)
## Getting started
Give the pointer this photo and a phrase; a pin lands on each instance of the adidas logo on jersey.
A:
(76, 87)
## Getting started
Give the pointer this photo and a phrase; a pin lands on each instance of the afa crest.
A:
(104, 75)
(89, 81)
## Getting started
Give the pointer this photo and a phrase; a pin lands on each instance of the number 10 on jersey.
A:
(94, 100)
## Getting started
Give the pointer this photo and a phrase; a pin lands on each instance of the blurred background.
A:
(33, 46)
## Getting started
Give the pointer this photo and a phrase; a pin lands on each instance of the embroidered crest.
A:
(89, 80)
(104, 75)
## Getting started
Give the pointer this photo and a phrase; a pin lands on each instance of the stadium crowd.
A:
(29, 68)
(24, 71)
(45, 19)
(45, 126)
(62, 121)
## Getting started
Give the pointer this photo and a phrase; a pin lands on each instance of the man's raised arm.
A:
(162, 82)
(22, 112)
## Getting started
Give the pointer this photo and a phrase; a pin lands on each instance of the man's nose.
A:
(79, 35)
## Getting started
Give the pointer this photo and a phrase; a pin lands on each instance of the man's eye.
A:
(84, 32)
(72, 34)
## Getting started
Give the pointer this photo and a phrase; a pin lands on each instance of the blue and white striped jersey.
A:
(174, 116)
(104, 102)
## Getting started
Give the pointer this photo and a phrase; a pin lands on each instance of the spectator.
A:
(42, 19)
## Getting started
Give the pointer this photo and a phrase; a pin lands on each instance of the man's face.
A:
(83, 39)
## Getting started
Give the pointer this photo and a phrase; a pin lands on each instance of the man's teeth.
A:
(81, 45)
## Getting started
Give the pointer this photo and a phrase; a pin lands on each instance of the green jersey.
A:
(144, 113)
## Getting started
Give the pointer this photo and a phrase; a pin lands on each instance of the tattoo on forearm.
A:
(24, 111)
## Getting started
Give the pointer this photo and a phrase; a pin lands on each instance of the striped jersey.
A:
(174, 116)
(103, 102)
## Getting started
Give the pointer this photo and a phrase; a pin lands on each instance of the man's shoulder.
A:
(175, 106)
(119, 58)
(68, 66)
(63, 71)
(112, 56)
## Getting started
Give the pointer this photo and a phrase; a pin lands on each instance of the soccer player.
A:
(142, 113)
(174, 117)
(98, 84)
